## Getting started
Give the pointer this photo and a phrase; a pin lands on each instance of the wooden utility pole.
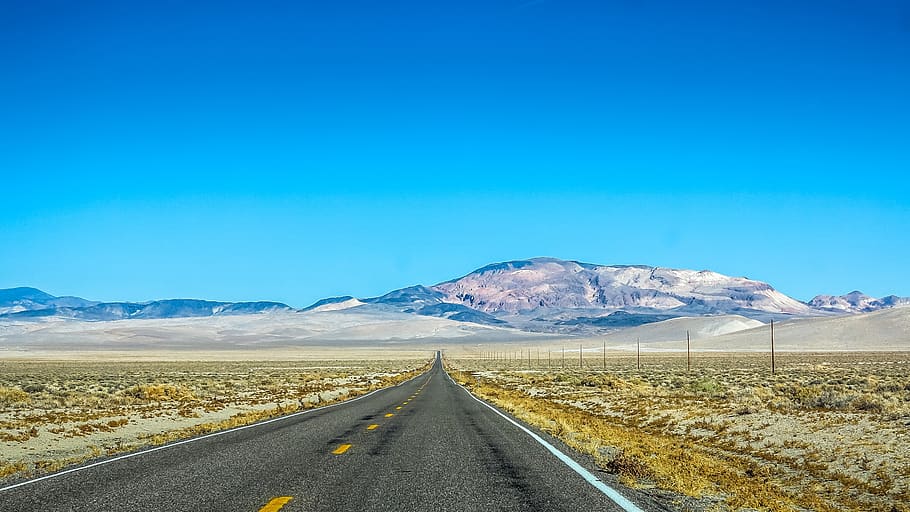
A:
(688, 353)
(549, 358)
(605, 355)
(563, 356)
(773, 370)
(638, 352)
(580, 362)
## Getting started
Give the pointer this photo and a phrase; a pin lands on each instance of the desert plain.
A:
(711, 429)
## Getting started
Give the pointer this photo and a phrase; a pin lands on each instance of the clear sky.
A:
(296, 150)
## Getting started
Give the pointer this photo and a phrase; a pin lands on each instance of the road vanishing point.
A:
(425, 444)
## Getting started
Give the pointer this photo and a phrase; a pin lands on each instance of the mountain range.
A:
(538, 295)
(30, 303)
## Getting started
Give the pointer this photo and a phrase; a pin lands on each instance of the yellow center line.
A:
(404, 403)
(341, 449)
(389, 415)
(373, 427)
(276, 504)
(398, 408)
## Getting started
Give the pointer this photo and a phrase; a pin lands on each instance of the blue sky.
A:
(296, 150)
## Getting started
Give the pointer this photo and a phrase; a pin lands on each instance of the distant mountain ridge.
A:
(524, 286)
(25, 303)
(553, 295)
(538, 294)
(14, 300)
(856, 302)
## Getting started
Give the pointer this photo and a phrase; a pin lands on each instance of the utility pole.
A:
(688, 353)
(773, 370)
(605, 355)
(638, 349)
(563, 356)
(580, 362)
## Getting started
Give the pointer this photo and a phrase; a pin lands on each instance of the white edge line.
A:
(611, 493)
(213, 434)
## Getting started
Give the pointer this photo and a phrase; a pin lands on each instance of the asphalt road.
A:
(425, 444)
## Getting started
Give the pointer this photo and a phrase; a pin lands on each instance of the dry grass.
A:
(54, 414)
(828, 432)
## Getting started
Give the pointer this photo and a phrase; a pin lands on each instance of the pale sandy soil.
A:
(304, 332)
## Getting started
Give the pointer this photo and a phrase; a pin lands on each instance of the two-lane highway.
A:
(425, 444)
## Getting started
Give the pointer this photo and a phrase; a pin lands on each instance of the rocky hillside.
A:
(545, 283)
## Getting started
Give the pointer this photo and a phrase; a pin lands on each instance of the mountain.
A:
(31, 303)
(14, 300)
(856, 302)
(333, 304)
(571, 297)
(11, 296)
(425, 301)
(543, 295)
(521, 287)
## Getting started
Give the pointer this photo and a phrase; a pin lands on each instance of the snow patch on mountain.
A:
(347, 303)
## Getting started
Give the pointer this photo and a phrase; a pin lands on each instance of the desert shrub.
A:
(707, 386)
(11, 396)
(892, 386)
(160, 392)
(868, 403)
(831, 399)
(630, 467)
(34, 388)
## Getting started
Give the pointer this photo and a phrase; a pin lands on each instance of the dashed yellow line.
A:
(398, 408)
(341, 449)
(373, 427)
(276, 504)
(389, 415)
